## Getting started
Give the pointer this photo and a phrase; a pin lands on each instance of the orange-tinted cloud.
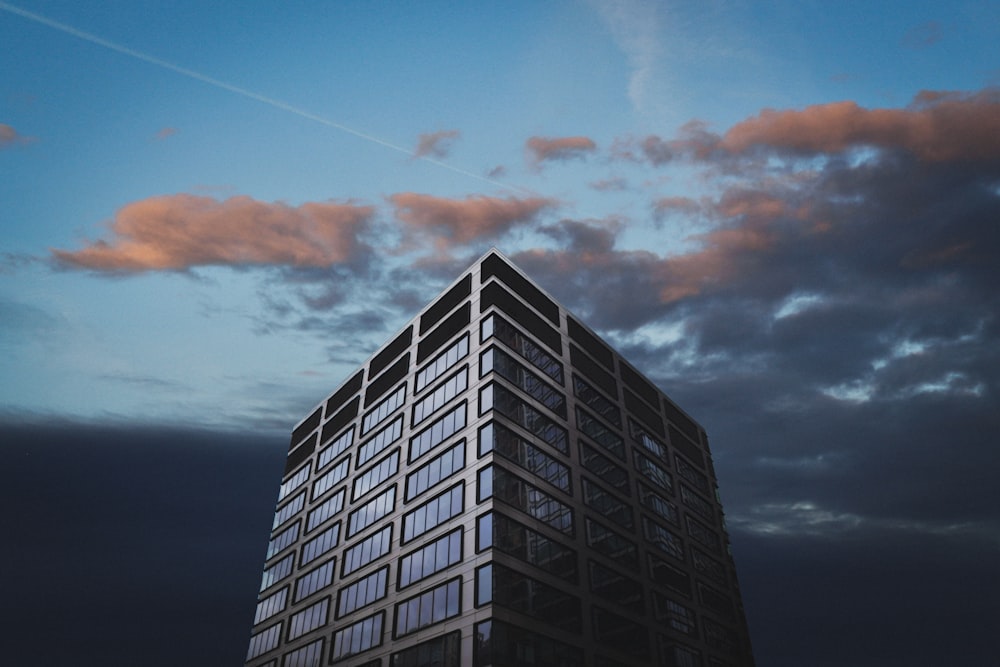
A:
(542, 149)
(452, 221)
(10, 137)
(437, 144)
(937, 127)
(177, 232)
(166, 133)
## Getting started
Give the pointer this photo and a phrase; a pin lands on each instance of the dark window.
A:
(640, 385)
(687, 471)
(709, 568)
(499, 644)
(667, 575)
(495, 437)
(383, 383)
(686, 447)
(495, 295)
(663, 539)
(591, 343)
(339, 421)
(529, 596)
(678, 616)
(443, 651)
(445, 392)
(445, 303)
(515, 539)
(604, 468)
(701, 533)
(495, 266)
(528, 498)
(653, 472)
(442, 363)
(599, 433)
(611, 544)
(596, 401)
(495, 326)
(715, 600)
(581, 362)
(616, 587)
(348, 389)
(510, 405)
(390, 352)
(659, 505)
(648, 416)
(335, 448)
(444, 332)
(496, 360)
(651, 444)
(683, 422)
(619, 633)
(300, 453)
(607, 505)
(306, 427)
(381, 412)
(699, 505)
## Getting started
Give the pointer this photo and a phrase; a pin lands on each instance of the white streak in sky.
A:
(277, 104)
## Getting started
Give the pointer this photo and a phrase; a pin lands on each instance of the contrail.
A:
(277, 104)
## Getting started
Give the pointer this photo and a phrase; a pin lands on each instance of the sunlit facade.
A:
(495, 487)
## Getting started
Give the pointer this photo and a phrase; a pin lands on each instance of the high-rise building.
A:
(496, 486)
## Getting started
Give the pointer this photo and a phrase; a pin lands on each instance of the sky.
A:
(786, 213)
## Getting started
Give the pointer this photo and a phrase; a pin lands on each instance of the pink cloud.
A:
(544, 149)
(436, 144)
(177, 232)
(10, 137)
(937, 127)
(166, 133)
(453, 222)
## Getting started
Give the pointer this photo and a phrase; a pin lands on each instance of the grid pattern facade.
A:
(497, 487)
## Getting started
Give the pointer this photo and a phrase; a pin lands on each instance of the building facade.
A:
(497, 487)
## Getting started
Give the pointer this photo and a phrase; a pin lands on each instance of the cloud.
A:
(177, 232)
(636, 27)
(616, 184)
(923, 35)
(437, 144)
(166, 133)
(937, 126)
(10, 137)
(454, 222)
(542, 149)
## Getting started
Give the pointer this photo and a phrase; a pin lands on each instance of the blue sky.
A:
(785, 211)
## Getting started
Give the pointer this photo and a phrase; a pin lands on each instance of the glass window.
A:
(530, 499)
(380, 441)
(314, 581)
(435, 557)
(386, 407)
(445, 392)
(604, 468)
(606, 541)
(709, 568)
(335, 448)
(497, 397)
(372, 511)
(363, 592)
(653, 472)
(434, 512)
(321, 544)
(311, 618)
(509, 335)
(310, 655)
(514, 590)
(378, 473)
(651, 444)
(703, 534)
(688, 472)
(331, 478)
(677, 655)
(668, 575)
(497, 361)
(435, 471)
(325, 510)
(679, 617)
(441, 363)
(619, 632)
(432, 436)
(515, 539)
(271, 605)
(607, 504)
(600, 433)
(596, 401)
(264, 641)
(367, 550)
(294, 482)
(282, 540)
(357, 637)
(484, 585)
(662, 538)
(432, 606)
(288, 510)
(695, 502)
(443, 651)
(499, 644)
(498, 438)
(277, 572)
(484, 532)
(660, 506)
(616, 587)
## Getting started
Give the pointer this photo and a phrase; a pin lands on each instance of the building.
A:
(496, 486)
